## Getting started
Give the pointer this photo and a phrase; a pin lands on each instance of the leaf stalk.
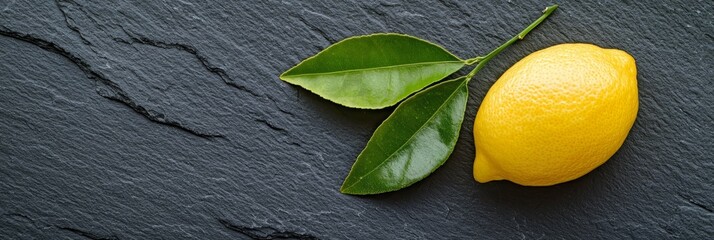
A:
(482, 60)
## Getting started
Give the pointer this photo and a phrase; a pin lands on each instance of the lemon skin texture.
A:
(555, 115)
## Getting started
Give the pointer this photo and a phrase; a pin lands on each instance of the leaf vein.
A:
(365, 69)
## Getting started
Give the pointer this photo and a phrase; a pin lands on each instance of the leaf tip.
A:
(283, 76)
(348, 187)
(344, 190)
(344, 182)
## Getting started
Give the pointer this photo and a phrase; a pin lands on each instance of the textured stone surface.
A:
(146, 120)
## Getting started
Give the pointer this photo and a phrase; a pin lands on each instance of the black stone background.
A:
(167, 120)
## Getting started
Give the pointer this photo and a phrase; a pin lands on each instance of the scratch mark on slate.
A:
(456, 5)
(265, 233)
(119, 94)
(7, 7)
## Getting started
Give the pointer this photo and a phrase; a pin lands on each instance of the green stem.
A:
(483, 60)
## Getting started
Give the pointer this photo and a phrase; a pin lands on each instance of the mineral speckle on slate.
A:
(145, 120)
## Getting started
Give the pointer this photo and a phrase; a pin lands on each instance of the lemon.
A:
(555, 115)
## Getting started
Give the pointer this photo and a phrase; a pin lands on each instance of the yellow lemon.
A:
(555, 115)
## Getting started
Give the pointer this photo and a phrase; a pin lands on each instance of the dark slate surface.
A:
(168, 121)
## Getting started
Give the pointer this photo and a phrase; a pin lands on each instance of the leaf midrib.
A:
(410, 138)
(373, 68)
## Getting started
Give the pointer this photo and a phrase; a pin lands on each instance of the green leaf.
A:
(373, 71)
(412, 142)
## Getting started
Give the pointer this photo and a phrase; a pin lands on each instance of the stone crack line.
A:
(270, 125)
(67, 19)
(119, 94)
(133, 39)
(265, 233)
(221, 73)
(80, 232)
(696, 204)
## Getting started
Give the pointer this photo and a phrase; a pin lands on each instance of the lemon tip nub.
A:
(483, 172)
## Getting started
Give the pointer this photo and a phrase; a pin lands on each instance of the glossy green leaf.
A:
(412, 142)
(373, 71)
